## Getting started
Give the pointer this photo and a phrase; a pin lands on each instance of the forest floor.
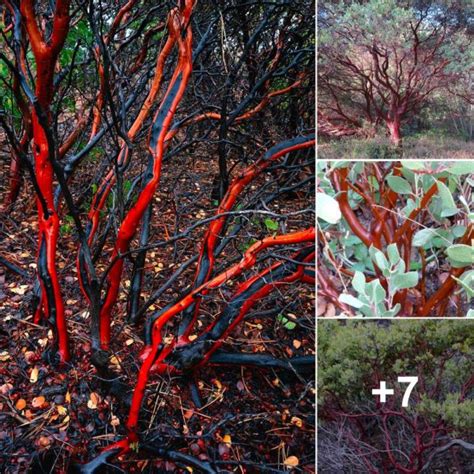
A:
(418, 147)
(251, 420)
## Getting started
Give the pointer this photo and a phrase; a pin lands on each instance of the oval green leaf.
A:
(461, 167)
(461, 255)
(423, 237)
(399, 185)
(327, 208)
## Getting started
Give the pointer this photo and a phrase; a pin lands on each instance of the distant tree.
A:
(380, 61)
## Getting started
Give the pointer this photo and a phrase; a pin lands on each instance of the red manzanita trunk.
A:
(152, 357)
(46, 55)
(178, 22)
(206, 257)
(394, 130)
(123, 157)
(15, 179)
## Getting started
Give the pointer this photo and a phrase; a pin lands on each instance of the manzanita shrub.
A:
(127, 121)
(358, 433)
(396, 238)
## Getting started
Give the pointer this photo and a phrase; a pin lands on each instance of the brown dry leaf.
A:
(43, 342)
(114, 360)
(227, 439)
(93, 401)
(4, 356)
(20, 404)
(291, 461)
(19, 290)
(115, 421)
(95, 398)
(67, 398)
(330, 311)
(44, 441)
(61, 410)
(34, 375)
(321, 308)
(38, 402)
(29, 356)
(5, 388)
(91, 405)
(297, 421)
(65, 424)
(296, 343)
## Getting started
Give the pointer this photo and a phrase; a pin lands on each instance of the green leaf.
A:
(403, 281)
(379, 258)
(461, 255)
(449, 211)
(376, 292)
(413, 165)
(350, 300)
(65, 229)
(423, 237)
(449, 206)
(399, 185)
(409, 208)
(327, 208)
(393, 254)
(271, 224)
(393, 312)
(400, 267)
(466, 280)
(358, 282)
(461, 167)
(458, 230)
(286, 323)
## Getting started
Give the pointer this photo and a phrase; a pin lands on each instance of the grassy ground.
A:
(419, 146)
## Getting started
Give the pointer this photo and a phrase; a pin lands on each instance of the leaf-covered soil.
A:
(251, 420)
